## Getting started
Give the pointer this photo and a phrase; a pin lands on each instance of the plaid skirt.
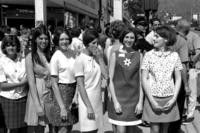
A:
(12, 112)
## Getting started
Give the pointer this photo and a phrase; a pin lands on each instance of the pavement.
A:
(193, 127)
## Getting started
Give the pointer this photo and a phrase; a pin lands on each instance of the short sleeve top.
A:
(161, 66)
(12, 72)
(87, 66)
(62, 67)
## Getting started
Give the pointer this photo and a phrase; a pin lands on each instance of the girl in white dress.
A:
(88, 68)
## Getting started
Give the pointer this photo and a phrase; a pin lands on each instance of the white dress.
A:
(86, 66)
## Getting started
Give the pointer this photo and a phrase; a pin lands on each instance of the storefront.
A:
(59, 12)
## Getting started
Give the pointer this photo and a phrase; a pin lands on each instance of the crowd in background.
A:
(56, 78)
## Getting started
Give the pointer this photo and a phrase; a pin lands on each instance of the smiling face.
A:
(159, 41)
(64, 41)
(11, 50)
(92, 46)
(42, 42)
(129, 39)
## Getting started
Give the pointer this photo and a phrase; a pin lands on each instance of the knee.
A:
(155, 129)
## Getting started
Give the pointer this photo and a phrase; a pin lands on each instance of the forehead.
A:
(63, 35)
(130, 34)
(156, 22)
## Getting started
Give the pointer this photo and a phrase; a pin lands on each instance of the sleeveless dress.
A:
(31, 117)
(126, 84)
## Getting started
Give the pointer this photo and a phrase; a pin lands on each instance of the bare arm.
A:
(32, 83)
(56, 91)
(11, 86)
(177, 84)
(84, 96)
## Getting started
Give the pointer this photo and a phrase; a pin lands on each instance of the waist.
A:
(17, 93)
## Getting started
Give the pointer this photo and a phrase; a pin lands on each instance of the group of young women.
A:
(40, 89)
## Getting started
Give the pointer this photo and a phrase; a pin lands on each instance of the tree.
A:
(134, 8)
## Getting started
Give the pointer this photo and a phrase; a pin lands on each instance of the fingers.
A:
(64, 118)
(118, 110)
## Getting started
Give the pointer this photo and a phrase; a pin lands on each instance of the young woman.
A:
(38, 72)
(126, 94)
(159, 67)
(63, 84)
(89, 66)
(13, 86)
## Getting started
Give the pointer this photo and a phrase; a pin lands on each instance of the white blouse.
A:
(12, 72)
(62, 67)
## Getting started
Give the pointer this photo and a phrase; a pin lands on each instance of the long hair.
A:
(36, 33)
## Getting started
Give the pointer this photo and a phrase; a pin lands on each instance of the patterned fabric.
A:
(52, 108)
(12, 112)
(161, 66)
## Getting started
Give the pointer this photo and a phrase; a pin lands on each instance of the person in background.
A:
(63, 84)
(89, 66)
(38, 73)
(158, 68)
(13, 86)
(181, 47)
(155, 22)
(1, 38)
(76, 44)
(126, 101)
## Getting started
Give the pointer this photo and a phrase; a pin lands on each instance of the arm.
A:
(84, 96)
(111, 84)
(63, 112)
(11, 86)
(177, 84)
(32, 84)
(184, 76)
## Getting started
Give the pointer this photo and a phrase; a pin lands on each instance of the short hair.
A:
(89, 35)
(116, 28)
(154, 19)
(10, 40)
(168, 33)
(125, 32)
(58, 32)
(183, 25)
(76, 31)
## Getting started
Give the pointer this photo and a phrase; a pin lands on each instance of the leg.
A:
(121, 129)
(114, 128)
(94, 131)
(66, 129)
(155, 127)
(164, 127)
(39, 129)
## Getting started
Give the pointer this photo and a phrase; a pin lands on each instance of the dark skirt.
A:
(12, 112)
(52, 108)
(162, 116)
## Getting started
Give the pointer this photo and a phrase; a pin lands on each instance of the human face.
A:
(92, 46)
(159, 42)
(11, 50)
(64, 41)
(129, 39)
(156, 24)
(42, 42)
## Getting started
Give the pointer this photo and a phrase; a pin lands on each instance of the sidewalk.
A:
(193, 127)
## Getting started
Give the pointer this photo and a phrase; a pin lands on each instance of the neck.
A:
(87, 52)
(162, 49)
(128, 49)
(12, 57)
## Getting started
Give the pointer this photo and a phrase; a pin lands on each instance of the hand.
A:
(118, 108)
(139, 108)
(187, 91)
(40, 112)
(90, 113)
(63, 114)
(156, 106)
(169, 105)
